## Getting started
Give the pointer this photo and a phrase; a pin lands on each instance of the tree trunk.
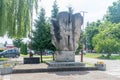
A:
(108, 56)
(41, 57)
(53, 56)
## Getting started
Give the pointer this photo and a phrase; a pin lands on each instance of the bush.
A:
(23, 49)
(1, 50)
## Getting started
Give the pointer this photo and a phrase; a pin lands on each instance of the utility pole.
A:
(82, 51)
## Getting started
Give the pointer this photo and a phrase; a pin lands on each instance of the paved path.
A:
(73, 75)
(112, 66)
(5, 77)
(112, 69)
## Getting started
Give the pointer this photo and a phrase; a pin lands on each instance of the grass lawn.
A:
(111, 57)
(92, 55)
(99, 56)
(22, 55)
(49, 56)
(44, 56)
(50, 60)
(3, 59)
(89, 64)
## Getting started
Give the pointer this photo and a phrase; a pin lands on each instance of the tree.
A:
(16, 17)
(23, 48)
(80, 44)
(55, 10)
(113, 13)
(41, 39)
(17, 42)
(108, 39)
(90, 31)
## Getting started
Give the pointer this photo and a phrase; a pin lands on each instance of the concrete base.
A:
(64, 56)
(101, 66)
(65, 64)
(42, 67)
(4, 71)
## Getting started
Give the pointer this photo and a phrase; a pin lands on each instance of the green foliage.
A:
(112, 57)
(1, 50)
(93, 55)
(23, 48)
(100, 56)
(80, 43)
(47, 57)
(113, 13)
(108, 39)
(90, 31)
(41, 39)
(105, 37)
(55, 9)
(17, 42)
(78, 49)
(16, 17)
(3, 59)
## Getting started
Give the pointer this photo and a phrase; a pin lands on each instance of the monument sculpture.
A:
(65, 31)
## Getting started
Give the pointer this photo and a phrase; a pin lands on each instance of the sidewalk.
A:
(112, 68)
(71, 75)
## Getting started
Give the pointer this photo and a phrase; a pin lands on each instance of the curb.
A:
(53, 70)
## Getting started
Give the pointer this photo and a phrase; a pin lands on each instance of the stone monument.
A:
(65, 31)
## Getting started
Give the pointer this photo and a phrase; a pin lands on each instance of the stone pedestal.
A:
(64, 56)
(65, 59)
(65, 64)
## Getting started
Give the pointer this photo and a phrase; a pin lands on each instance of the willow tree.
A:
(16, 17)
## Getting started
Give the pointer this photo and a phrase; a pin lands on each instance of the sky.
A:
(95, 9)
(3, 39)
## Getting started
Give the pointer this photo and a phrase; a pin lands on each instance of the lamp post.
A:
(82, 51)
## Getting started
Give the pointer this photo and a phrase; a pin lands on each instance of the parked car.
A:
(10, 53)
(49, 52)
